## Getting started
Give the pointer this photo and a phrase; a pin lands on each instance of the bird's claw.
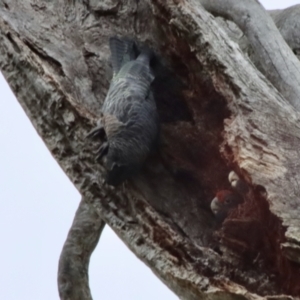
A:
(103, 149)
(97, 132)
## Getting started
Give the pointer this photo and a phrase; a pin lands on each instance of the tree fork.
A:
(276, 58)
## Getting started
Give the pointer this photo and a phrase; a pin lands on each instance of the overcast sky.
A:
(38, 203)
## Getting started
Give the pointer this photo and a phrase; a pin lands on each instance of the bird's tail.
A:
(122, 51)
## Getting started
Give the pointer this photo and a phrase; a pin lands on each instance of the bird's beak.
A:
(215, 205)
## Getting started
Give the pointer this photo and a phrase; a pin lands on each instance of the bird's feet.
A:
(97, 132)
(101, 151)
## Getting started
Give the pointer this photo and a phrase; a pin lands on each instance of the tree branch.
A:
(83, 237)
(163, 215)
(286, 20)
(276, 59)
(288, 23)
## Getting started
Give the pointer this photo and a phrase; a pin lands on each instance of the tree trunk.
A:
(226, 116)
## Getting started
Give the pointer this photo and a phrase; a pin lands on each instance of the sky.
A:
(37, 206)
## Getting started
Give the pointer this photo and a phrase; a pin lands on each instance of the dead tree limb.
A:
(288, 23)
(55, 57)
(83, 237)
(275, 57)
(286, 20)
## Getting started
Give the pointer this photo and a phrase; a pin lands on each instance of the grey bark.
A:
(287, 22)
(55, 57)
(83, 237)
(275, 57)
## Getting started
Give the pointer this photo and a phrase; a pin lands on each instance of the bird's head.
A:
(118, 168)
(223, 202)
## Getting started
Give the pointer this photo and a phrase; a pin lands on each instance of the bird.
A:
(224, 202)
(238, 184)
(128, 125)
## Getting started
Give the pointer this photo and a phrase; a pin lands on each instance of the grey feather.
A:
(129, 111)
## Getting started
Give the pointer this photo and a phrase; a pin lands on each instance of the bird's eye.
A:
(228, 201)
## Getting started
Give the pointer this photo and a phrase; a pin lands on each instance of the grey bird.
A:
(129, 124)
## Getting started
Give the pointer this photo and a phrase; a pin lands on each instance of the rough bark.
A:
(55, 57)
(83, 237)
